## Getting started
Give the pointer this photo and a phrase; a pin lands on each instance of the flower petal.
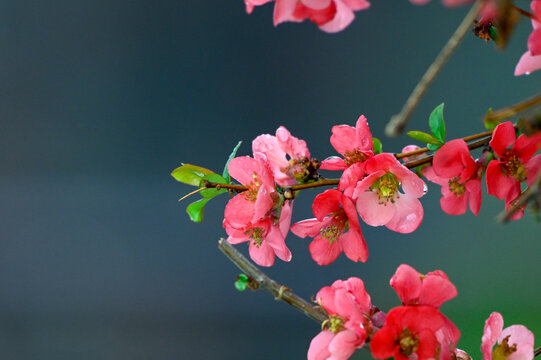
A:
(408, 215)
(372, 212)
(319, 346)
(502, 138)
(324, 252)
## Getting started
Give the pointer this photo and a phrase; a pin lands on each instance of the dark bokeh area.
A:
(101, 100)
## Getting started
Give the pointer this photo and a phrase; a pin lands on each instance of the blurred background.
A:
(101, 100)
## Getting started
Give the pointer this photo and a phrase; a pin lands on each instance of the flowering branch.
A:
(522, 200)
(331, 182)
(264, 282)
(398, 122)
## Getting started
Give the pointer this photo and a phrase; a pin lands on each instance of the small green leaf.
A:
(377, 146)
(195, 210)
(190, 174)
(490, 124)
(210, 193)
(493, 32)
(433, 147)
(436, 123)
(241, 283)
(424, 137)
(231, 157)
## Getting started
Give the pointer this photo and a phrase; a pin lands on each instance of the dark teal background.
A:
(100, 100)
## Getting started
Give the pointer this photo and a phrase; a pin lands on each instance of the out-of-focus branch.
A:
(398, 122)
(264, 282)
(537, 352)
(513, 110)
(529, 193)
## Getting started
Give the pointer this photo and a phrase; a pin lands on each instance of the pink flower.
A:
(515, 164)
(255, 215)
(379, 201)
(335, 229)
(348, 305)
(287, 156)
(353, 143)
(456, 171)
(514, 342)
(330, 15)
(414, 288)
(531, 59)
(415, 332)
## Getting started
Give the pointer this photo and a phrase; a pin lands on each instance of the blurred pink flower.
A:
(531, 60)
(348, 305)
(514, 342)
(330, 15)
(414, 288)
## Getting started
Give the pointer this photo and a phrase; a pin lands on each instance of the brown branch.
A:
(513, 110)
(537, 351)
(264, 282)
(522, 200)
(398, 122)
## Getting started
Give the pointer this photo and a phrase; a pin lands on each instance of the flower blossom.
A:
(378, 197)
(516, 163)
(515, 342)
(353, 143)
(456, 171)
(415, 332)
(287, 156)
(348, 305)
(414, 288)
(335, 229)
(257, 215)
(531, 60)
(330, 15)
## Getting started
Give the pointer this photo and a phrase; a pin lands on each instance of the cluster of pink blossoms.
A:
(375, 187)
(415, 330)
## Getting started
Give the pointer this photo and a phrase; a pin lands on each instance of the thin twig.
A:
(537, 351)
(398, 122)
(522, 200)
(279, 291)
(513, 110)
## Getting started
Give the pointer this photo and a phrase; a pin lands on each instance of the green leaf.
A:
(241, 283)
(195, 210)
(231, 157)
(190, 174)
(377, 146)
(493, 32)
(424, 137)
(432, 147)
(437, 124)
(490, 124)
(210, 193)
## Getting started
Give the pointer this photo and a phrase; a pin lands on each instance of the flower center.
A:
(256, 234)
(503, 350)
(336, 323)
(409, 342)
(456, 187)
(514, 167)
(302, 169)
(253, 188)
(387, 188)
(338, 225)
(352, 157)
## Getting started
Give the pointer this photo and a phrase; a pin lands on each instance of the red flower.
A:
(456, 171)
(353, 143)
(414, 288)
(415, 332)
(515, 163)
(335, 229)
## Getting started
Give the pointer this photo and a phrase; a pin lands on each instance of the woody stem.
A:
(264, 282)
